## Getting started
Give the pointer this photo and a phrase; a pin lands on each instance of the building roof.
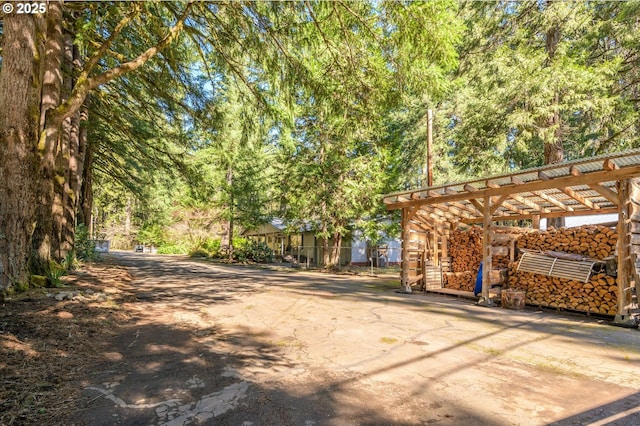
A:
(276, 225)
(581, 187)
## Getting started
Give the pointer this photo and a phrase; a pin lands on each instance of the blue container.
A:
(478, 288)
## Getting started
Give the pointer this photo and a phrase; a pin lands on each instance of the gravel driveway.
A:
(232, 345)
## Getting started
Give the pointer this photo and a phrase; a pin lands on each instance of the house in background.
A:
(387, 252)
(301, 246)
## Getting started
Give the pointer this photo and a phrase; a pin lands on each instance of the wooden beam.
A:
(570, 192)
(498, 203)
(608, 210)
(412, 212)
(530, 204)
(554, 201)
(460, 213)
(606, 193)
(447, 211)
(609, 165)
(470, 188)
(579, 198)
(542, 195)
(431, 217)
(543, 176)
(477, 204)
(602, 190)
(517, 198)
(420, 225)
(464, 207)
(441, 214)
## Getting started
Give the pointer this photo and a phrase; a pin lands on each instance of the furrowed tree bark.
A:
(326, 254)
(337, 244)
(553, 149)
(86, 191)
(73, 173)
(227, 238)
(48, 210)
(20, 84)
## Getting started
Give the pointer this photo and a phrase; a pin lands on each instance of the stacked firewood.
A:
(465, 249)
(464, 281)
(598, 296)
(595, 241)
(500, 262)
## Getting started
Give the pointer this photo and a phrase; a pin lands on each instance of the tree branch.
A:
(107, 43)
(86, 84)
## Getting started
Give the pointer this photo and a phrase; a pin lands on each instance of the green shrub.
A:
(173, 249)
(248, 250)
(152, 234)
(211, 246)
(55, 274)
(70, 262)
(85, 249)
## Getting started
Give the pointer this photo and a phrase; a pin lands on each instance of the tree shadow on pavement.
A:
(169, 375)
(621, 412)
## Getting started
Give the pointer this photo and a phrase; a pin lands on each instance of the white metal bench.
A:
(538, 263)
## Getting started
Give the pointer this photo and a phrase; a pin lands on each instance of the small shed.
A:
(593, 186)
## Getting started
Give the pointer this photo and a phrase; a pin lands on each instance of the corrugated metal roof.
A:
(546, 197)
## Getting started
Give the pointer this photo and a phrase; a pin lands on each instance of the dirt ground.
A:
(164, 340)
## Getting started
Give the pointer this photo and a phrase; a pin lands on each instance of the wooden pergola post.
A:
(535, 221)
(623, 316)
(406, 233)
(436, 239)
(445, 249)
(486, 253)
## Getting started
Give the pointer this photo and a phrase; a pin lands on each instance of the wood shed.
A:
(591, 186)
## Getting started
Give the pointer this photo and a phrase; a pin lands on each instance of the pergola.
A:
(597, 185)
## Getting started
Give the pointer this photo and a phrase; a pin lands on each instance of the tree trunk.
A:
(86, 203)
(71, 189)
(128, 213)
(335, 252)
(326, 254)
(227, 237)
(553, 149)
(20, 85)
(49, 209)
(72, 136)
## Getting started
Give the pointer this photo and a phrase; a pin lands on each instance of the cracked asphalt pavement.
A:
(233, 345)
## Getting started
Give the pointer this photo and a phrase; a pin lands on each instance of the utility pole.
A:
(429, 171)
